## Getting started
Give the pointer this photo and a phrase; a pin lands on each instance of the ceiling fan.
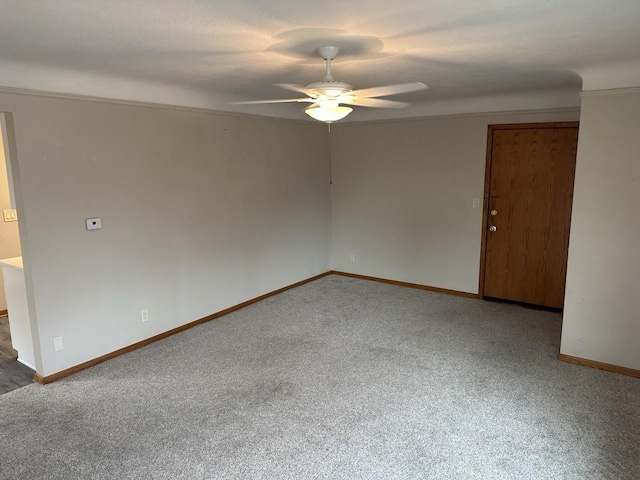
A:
(328, 96)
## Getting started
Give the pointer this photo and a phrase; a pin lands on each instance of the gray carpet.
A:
(337, 379)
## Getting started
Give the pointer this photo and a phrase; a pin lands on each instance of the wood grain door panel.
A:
(531, 189)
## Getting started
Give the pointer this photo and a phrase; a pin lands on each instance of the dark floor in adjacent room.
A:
(13, 374)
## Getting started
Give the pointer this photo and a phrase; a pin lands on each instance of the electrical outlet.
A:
(145, 315)
(352, 258)
(58, 344)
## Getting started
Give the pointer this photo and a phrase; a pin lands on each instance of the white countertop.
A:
(15, 262)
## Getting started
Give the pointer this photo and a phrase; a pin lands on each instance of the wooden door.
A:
(530, 173)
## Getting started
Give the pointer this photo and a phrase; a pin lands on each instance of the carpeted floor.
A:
(337, 379)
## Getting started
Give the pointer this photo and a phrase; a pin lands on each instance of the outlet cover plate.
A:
(10, 215)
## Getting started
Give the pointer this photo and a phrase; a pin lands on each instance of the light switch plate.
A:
(10, 215)
(58, 344)
(93, 223)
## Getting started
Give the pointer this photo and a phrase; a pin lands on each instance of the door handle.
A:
(493, 228)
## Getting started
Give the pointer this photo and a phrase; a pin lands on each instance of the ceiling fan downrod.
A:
(328, 53)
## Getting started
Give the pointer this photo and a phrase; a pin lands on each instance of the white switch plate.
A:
(476, 203)
(145, 315)
(10, 215)
(93, 223)
(352, 258)
(58, 344)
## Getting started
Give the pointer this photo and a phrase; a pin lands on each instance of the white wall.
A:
(9, 238)
(403, 192)
(200, 212)
(602, 305)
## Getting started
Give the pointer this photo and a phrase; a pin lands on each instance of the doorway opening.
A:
(16, 346)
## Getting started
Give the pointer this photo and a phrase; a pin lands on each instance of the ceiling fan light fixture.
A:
(325, 102)
(332, 92)
(328, 114)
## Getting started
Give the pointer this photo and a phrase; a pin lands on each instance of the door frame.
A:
(487, 181)
(13, 175)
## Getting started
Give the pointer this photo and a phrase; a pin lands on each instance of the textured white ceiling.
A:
(474, 55)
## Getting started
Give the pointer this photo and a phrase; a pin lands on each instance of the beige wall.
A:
(200, 212)
(402, 197)
(602, 306)
(9, 238)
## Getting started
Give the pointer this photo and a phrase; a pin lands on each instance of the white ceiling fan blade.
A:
(390, 89)
(276, 100)
(293, 87)
(375, 102)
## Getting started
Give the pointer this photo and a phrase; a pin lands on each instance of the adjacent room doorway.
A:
(527, 212)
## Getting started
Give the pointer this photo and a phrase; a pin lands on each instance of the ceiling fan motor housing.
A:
(330, 88)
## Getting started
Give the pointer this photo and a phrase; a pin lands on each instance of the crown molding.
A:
(9, 106)
(610, 91)
(467, 115)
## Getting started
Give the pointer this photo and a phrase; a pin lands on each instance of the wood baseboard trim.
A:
(631, 372)
(407, 284)
(3, 313)
(82, 366)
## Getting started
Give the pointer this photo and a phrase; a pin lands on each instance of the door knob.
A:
(493, 228)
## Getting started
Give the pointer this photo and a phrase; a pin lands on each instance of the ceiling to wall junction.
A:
(475, 56)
